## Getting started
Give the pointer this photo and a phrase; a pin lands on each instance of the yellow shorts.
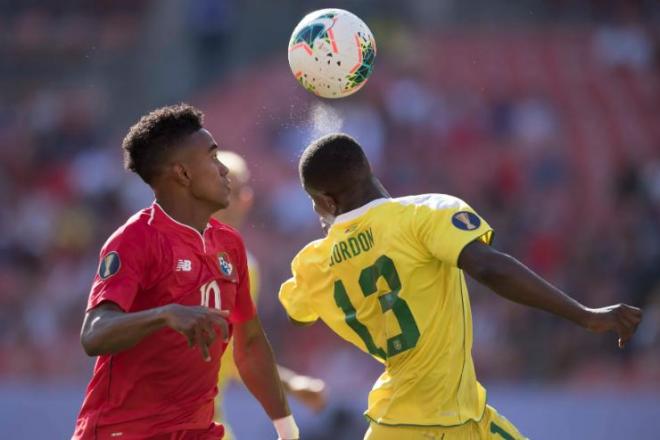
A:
(492, 426)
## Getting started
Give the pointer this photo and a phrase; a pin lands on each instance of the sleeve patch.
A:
(110, 265)
(466, 221)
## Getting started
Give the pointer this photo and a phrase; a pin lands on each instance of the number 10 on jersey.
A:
(389, 301)
(205, 294)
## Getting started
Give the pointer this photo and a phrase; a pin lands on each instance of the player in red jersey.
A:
(171, 289)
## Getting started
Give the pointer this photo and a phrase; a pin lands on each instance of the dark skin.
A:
(502, 273)
(108, 330)
(191, 186)
(511, 279)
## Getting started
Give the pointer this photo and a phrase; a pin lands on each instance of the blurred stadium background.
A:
(543, 114)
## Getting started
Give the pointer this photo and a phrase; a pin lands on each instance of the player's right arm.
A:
(107, 329)
(511, 279)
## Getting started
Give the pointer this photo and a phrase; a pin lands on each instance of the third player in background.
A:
(308, 390)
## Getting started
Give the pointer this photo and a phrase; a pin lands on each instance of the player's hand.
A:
(198, 324)
(621, 318)
(309, 391)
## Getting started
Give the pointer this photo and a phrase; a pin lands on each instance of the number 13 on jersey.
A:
(389, 302)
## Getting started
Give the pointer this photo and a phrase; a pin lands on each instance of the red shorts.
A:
(213, 432)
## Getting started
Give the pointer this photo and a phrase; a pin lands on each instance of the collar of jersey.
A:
(357, 212)
(159, 216)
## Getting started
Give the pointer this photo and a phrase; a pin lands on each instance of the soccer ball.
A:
(331, 53)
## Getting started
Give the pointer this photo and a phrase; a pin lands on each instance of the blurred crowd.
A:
(551, 135)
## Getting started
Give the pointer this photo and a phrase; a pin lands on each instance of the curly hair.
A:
(150, 140)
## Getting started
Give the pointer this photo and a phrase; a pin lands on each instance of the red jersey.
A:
(161, 385)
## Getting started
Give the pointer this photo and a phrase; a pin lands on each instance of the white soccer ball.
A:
(332, 53)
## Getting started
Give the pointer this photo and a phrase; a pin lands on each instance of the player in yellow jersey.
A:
(310, 391)
(388, 277)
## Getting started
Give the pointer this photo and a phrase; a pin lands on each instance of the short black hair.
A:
(333, 164)
(149, 141)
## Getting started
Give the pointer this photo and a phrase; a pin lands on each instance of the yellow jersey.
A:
(385, 278)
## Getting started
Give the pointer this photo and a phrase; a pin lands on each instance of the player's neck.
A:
(372, 191)
(186, 211)
(228, 219)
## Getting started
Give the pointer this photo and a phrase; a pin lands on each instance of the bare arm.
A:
(256, 365)
(107, 329)
(509, 278)
(310, 391)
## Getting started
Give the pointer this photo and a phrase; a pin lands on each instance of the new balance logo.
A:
(183, 266)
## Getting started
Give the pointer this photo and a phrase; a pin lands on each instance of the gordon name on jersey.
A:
(362, 241)
(385, 278)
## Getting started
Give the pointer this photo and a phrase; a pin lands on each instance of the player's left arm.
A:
(511, 279)
(256, 365)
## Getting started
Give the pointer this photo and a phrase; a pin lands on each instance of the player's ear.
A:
(180, 174)
(328, 203)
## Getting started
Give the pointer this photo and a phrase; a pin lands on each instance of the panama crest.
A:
(225, 265)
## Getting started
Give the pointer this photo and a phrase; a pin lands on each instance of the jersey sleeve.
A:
(294, 295)
(121, 271)
(445, 225)
(244, 309)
